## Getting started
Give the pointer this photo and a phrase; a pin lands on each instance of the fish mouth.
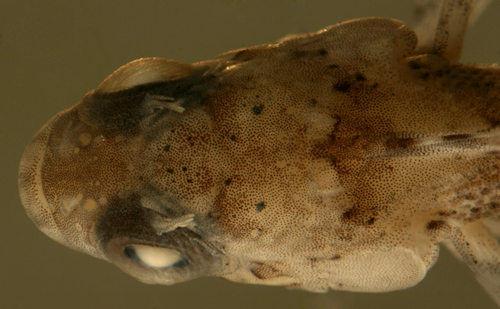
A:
(31, 191)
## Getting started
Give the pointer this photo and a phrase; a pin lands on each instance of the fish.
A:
(338, 159)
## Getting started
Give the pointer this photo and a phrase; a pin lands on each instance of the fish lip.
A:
(30, 182)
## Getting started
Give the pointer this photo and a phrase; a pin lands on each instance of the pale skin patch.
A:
(78, 227)
(102, 201)
(68, 204)
(90, 205)
(281, 164)
(98, 139)
(85, 139)
(120, 138)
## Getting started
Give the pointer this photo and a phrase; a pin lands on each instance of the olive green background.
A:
(53, 52)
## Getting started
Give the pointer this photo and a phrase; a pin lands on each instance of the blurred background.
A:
(53, 52)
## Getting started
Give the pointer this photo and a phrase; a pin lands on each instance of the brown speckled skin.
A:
(338, 159)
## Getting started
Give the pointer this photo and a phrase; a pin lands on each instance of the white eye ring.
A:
(156, 257)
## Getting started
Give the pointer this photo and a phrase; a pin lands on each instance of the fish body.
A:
(338, 159)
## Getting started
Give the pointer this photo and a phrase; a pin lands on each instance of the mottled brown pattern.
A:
(338, 159)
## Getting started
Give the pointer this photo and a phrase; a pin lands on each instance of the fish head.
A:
(82, 177)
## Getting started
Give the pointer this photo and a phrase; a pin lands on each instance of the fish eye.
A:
(155, 257)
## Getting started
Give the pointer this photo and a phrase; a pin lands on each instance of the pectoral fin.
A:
(477, 247)
(441, 25)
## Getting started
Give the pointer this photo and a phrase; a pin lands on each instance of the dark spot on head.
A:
(228, 181)
(375, 85)
(424, 75)
(454, 137)
(400, 143)
(171, 171)
(357, 215)
(415, 65)
(348, 215)
(257, 109)
(184, 168)
(257, 96)
(435, 224)
(360, 77)
(300, 54)
(190, 181)
(234, 216)
(405, 142)
(489, 84)
(332, 137)
(475, 210)
(333, 66)
(342, 86)
(242, 55)
(335, 257)
(314, 102)
(370, 221)
(233, 137)
(260, 206)
(470, 196)
(307, 54)
(494, 123)
(333, 161)
(166, 148)
(322, 52)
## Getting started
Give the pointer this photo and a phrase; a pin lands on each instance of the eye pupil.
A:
(129, 251)
(182, 263)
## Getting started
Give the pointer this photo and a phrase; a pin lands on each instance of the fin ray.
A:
(478, 248)
(441, 25)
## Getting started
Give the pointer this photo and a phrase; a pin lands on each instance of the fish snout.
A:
(57, 185)
(30, 182)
